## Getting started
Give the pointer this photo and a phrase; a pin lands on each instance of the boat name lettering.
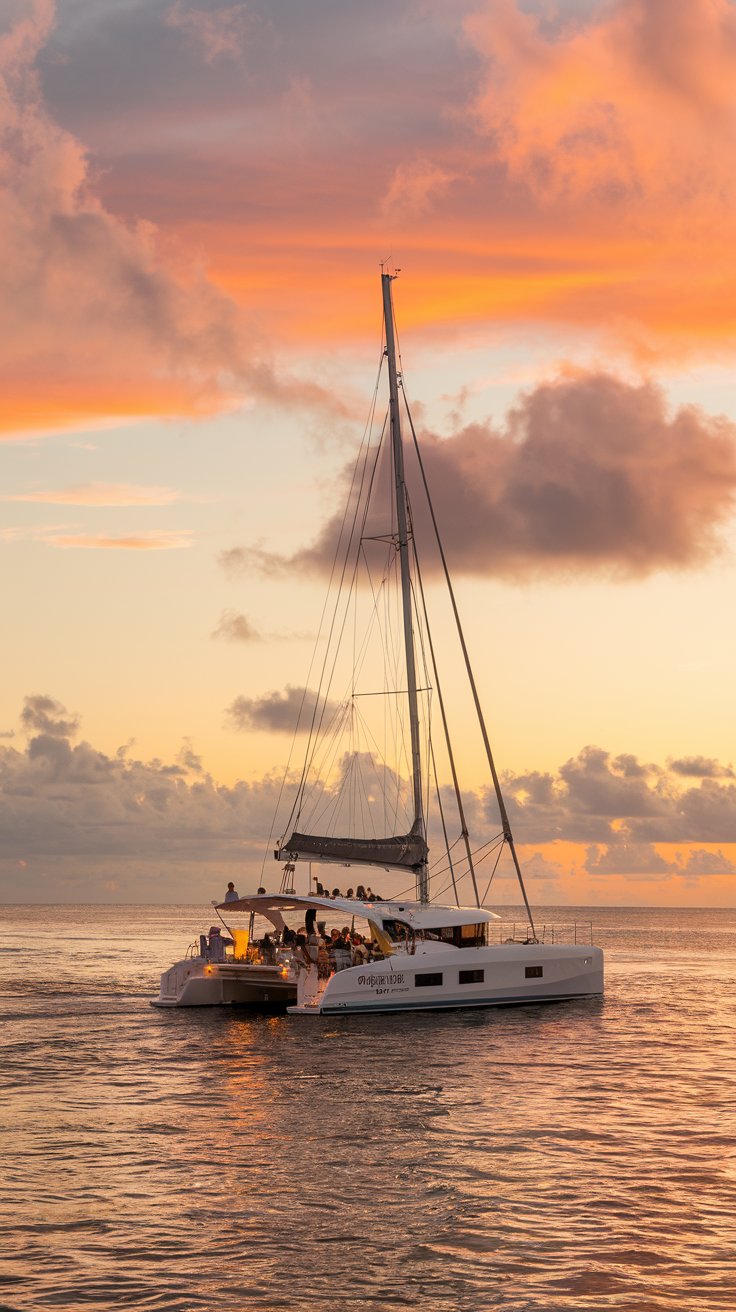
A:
(375, 981)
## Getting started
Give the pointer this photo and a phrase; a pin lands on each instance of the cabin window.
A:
(397, 930)
(534, 972)
(461, 936)
(471, 976)
(428, 980)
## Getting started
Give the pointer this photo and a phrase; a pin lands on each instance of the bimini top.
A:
(416, 914)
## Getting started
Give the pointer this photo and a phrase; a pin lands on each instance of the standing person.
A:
(307, 982)
(231, 895)
(313, 938)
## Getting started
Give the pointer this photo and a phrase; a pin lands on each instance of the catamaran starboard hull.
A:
(508, 975)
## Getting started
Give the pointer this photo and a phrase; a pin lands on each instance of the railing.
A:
(520, 931)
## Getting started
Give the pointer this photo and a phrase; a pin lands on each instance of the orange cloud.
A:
(553, 170)
(634, 105)
(101, 318)
(102, 494)
(153, 540)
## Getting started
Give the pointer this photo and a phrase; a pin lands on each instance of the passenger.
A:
(312, 937)
(319, 890)
(360, 951)
(268, 948)
(307, 982)
(341, 950)
(288, 938)
(370, 895)
(335, 892)
(324, 966)
(360, 893)
(217, 944)
(231, 895)
(261, 890)
(350, 893)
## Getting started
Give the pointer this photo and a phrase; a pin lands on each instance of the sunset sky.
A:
(195, 201)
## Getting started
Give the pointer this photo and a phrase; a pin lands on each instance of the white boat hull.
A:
(196, 982)
(445, 978)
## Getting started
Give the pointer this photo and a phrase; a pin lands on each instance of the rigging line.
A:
(479, 854)
(352, 586)
(495, 868)
(347, 703)
(471, 679)
(446, 728)
(366, 437)
(361, 460)
(314, 732)
(321, 797)
(422, 649)
(444, 826)
(371, 739)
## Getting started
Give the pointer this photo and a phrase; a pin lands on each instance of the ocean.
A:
(542, 1159)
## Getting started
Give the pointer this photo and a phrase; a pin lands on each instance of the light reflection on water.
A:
(578, 1156)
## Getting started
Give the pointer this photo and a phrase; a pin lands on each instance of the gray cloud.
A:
(700, 767)
(641, 861)
(277, 712)
(589, 474)
(44, 715)
(235, 627)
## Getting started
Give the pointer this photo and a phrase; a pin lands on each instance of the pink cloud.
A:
(588, 474)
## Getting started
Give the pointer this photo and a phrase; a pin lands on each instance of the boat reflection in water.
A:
(418, 954)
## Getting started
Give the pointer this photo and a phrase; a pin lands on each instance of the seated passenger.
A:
(217, 944)
(341, 951)
(360, 951)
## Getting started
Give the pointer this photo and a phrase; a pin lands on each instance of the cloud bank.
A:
(70, 814)
(598, 798)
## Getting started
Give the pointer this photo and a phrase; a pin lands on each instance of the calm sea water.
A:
(578, 1156)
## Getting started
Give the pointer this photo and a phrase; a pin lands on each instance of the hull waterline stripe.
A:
(437, 1005)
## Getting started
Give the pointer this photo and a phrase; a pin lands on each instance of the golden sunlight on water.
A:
(578, 1156)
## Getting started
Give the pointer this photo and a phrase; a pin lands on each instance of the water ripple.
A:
(561, 1159)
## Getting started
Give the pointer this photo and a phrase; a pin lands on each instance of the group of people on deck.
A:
(360, 894)
(317, 954)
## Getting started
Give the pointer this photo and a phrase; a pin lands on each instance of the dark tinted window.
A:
(533, 972)
(428, 981)
(472, 976)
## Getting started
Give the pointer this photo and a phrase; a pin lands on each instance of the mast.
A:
(403, 536)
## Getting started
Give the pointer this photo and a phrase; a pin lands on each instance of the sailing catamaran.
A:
(420, 954)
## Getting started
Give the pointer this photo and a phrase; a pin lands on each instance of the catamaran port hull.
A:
(197, 983)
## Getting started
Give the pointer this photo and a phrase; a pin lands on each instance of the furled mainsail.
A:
(402, 852)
